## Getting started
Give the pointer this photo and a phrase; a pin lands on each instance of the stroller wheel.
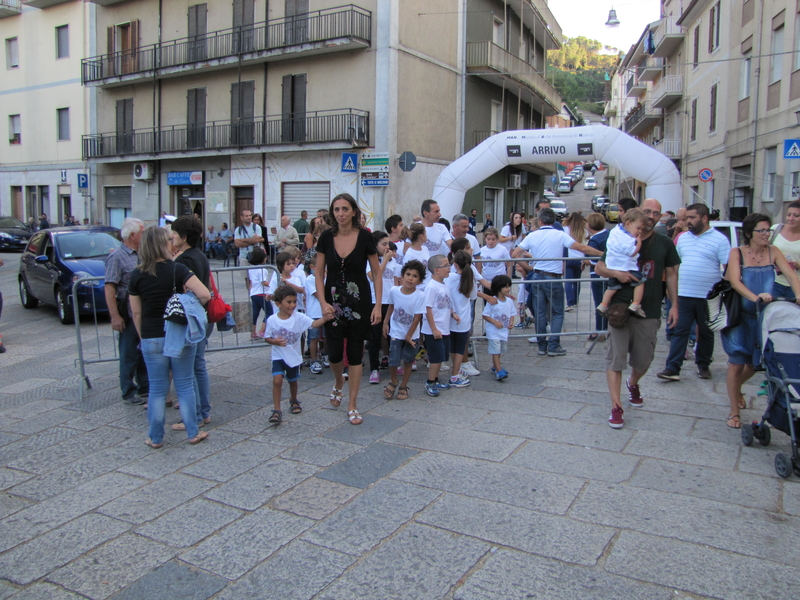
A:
(783, 465)
(765, 437)
(747, 434)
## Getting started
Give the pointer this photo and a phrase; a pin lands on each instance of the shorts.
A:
(281, 368)
(498, 346)
(637, 338)
(400, 351)
(438, 350)
(314, 333)
(616, 284)
(458, 342)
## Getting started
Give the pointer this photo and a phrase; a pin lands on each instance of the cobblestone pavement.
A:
(501, 490)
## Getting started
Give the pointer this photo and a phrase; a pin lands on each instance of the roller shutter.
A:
(305, 195)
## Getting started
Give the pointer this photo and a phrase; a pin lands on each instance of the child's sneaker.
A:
(459, 381)
(400, 370)
(374, 377)
(469, 370)
(636, 309)
(431, 389)
(385, 362)
(501, 374)
(442, 385)
(316, 367)
(414, 366)
(325, 362)
(616, 421)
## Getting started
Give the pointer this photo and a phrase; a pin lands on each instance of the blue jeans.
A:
(691, 310)
(259, 303)
(668, 329)
(158, 367)
(546, 299)
(598, 289)
(202, 382)
(572, 271)
(132, 370)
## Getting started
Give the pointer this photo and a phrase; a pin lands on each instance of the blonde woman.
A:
(575, 227)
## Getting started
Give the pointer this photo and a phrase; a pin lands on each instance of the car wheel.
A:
(25, 297)
(65, 313)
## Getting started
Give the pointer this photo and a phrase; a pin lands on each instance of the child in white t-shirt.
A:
(436, 324)
(499, 319)
(259, 280)
(417, 250)
(622, 254)
(461, 286)
(495, 252)
(314, 311)
(386, 273)
(283, 333)
(286, 267)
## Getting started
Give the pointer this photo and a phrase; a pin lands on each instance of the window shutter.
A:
(248, 99)
(134, 45)
(711, 29)
(128, 115)
(120, 116)
(286, 109)
(191, 107)
(248, 12)
(299, 107)
(200, 110)
(235, 102)
(291, 8)
(238, 11)
(110, 33)
(193, 21)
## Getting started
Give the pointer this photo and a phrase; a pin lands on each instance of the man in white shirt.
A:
(703, 251)
(547, 299)
(247, 235)
(439, 238)
(460, 228)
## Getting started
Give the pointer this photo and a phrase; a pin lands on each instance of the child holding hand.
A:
(499, 319)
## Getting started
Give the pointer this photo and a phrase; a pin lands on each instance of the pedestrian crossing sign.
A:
(349, 162)
(791, 148)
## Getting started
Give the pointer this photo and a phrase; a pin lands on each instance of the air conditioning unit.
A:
(515, 181)
(143, 171)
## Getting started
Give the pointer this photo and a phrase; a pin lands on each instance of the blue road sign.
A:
(349, 162)
(791, 148)
(83, 181)
(706, 175)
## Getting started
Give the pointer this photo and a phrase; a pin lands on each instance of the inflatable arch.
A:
(595, 142)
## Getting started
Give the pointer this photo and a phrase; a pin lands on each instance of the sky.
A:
(587, 18)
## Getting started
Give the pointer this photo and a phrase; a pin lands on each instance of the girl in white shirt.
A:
(494, 251)
(460, 286)
(260, 296)
(417, 250)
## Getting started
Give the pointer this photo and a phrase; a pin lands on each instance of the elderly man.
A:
(247, 235)
(133, 381)
(460, 227)
(213, 244)
(635, 342)
(286, 235)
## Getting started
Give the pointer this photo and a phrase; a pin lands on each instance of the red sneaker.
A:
(635, 395)
(616, 421)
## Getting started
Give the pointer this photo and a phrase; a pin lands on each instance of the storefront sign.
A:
(185, 178)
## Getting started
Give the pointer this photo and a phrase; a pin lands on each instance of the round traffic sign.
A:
(706, 175)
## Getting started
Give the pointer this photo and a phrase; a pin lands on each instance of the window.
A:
(12, 53)
(770, 172)
(63, 123)
(196, 118)
(713, 28)
(693, 123)
(499, 33)
(744, 78)
(293, 108)
(794, 185)
(14, 129)
(710, 194)
(243, 111)
(696, 48)
(62, 41)
(796, 64)
(776, 60)
(125, 135)
(712, 119)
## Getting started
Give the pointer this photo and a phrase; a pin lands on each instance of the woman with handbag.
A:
(751, 273)
(152, 287)
(786, 238)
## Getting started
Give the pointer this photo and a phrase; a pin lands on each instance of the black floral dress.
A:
(346, 285)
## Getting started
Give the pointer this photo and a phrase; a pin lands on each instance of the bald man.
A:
(286, 234)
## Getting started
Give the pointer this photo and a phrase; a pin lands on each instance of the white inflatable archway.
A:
(595, 142)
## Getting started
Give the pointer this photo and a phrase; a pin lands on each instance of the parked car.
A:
(590, 183)
(612, 213)
(730, 229)
(598, 202)
(55, 259)
(568, 179)
(564, 187)
(13, 234)
(560, 208)
(578, 172)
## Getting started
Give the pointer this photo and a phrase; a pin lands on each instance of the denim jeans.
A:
(572, 271)
(546, 299)
(132, 370)
(689, 311)
(158, 367)
(598, 289)
(202, 383)
(668, 329)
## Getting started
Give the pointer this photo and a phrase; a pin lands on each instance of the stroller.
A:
(779, 338)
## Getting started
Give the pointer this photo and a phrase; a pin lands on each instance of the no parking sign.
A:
(706, 175)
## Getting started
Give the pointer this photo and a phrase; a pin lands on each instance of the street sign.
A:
(63, 176)
(375, 168)
(706, 175)
(407, 161)
(83, 182)
(349, 162)
(791, 148)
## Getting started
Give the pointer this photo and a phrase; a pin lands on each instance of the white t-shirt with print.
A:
(476, 275)
(503, 311)
(387, 280)
(313, 308)
(493, 269)
(289, 329)
(422, 256)
(438, 299)
(257, 277)
(461, 303)
(438, 237)
(405, 307)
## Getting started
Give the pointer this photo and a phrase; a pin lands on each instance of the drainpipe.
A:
(759, 39)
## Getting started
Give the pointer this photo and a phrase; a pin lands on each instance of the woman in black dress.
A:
(344, 250)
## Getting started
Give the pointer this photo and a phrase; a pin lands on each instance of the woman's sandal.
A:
(150, 443)
(737, 422)
(402, 393)
(354, 417)
(276, 417)
(295, 407)
(389, 390)
(198, 438)
(592, 337)
(336, 397)
(181, 426)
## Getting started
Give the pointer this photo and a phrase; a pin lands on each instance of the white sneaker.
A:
(445, 368)
(533, 340)
(469, 370)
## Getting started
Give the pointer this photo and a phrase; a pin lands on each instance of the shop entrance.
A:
(191, 201)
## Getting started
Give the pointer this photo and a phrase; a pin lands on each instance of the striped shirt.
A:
(701, 258)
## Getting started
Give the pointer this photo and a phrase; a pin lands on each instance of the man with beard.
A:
(703, 251)
(637, 337)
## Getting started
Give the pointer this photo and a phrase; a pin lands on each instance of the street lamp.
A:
(613, 21)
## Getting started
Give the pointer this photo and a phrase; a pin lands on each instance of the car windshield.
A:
(86, 244)
(557, 204)
(589, 180)
(613, 207)
(11, 222)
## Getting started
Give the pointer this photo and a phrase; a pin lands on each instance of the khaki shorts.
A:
(638, 338)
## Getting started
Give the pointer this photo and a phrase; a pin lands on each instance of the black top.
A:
(155, 292)
(346, 286)
(197, 263)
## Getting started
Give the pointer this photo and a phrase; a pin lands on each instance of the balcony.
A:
(651, 69)
(668, 37)
(325, 31)
(43, 3)
(549, 19)
(498, 66)
(340, 128)
(642, 119)
(667, 91)
(670, 148)
(106, 2)
(10, 8)
(635, 88)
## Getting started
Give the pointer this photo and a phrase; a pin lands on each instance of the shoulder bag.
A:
(174, 311)
(217, 308)
(724, 303)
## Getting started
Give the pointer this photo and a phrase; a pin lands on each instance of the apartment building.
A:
(44, 108)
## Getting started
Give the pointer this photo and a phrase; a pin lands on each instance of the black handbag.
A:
(174, 311)
(724, 304)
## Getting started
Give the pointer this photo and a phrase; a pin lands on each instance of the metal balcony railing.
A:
(637, 117)
(667, 37)
(670, 148)
(10, 8)
(634, 87)
(549, 18)
(478, 137)
(281, 34)
(347, 125)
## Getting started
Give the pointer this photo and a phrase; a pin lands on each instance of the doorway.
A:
(244, 200)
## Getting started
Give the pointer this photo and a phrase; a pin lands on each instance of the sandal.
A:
(354, 417)
(742, 401)
(389, 390)
(198, 438)
(592, 337)
(181, 426)
(737, 422)
(336, 397)
(276, 417)
(154, 446)
(295, 407)
(402, 393)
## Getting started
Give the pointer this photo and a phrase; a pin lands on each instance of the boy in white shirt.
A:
(622, 252)
(499, 319)
(283, 333)
(314, 311)
(493, 250)
(436, 324)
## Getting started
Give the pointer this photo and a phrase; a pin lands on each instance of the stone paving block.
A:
(491, 481)
(233, 461)
(26, 385)
(760, 461)
(526, 404)
(534, 532)
(44, 516)
(251, 423)
(576, 386)
(41, 422)
(368, 465)
(374, 515)
(288, 434)
(32, 409)
(299, 571)
(636, 419)
(106, 415)
(244, 544)
(10, 504)
(716, 430)
(595, 398)
(713, 484)
(10, 478)
(683, 450)
(321, 451)
(555, 430)
(517, 384)
(8, 438)
(7, 422)
(155, 499)
(111, 567)
(576, 461)
(173, 581)
(432, 411)
(477, 444)
(189, 523)
(40, 591)
(697, 520)
(259, 485)
(791, 498)
(699, 569)
(325, 417)
(512, 575)
(678, 404)
(420, 562)
(223, 411)
(35, 559)
(314, 498)
(373, 428)
(6, 590)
